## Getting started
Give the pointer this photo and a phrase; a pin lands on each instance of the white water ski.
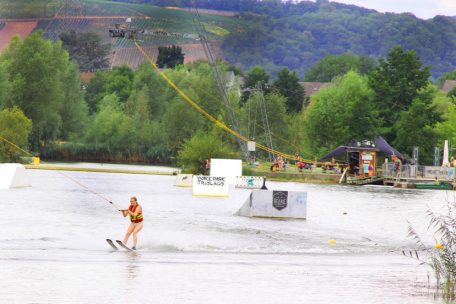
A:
(111, 243)
(123, 245)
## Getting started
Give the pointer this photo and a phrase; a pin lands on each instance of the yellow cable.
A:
(16, 146)
(217, 122)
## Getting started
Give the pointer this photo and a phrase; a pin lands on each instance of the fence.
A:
(414, 171)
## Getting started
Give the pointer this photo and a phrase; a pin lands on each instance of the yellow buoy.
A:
(332, 242)
(438, 246)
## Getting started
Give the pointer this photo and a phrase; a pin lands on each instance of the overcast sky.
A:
(421, 8)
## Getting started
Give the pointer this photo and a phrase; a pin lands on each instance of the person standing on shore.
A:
(136, 218)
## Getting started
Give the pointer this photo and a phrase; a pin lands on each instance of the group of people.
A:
(279, 163)
(302, 165)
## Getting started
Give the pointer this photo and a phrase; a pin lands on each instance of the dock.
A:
(420, 177)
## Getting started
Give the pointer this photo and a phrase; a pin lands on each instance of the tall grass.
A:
(441, 258)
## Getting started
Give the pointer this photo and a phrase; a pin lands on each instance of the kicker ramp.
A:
(13, 176)
(184, 180)
(275, 204)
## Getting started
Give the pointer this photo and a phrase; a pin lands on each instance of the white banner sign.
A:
(210, 185)
(230, 168)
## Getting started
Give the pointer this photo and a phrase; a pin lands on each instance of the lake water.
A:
(194, 250)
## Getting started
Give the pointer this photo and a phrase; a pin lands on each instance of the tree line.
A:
(126, 115)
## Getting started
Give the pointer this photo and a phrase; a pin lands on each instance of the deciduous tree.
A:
(35, 69)
(337, 65)
(169, 57)
(87, 49)
(339, 113)
(201, 146)
(415, 127)
(287, 84)
(396, 82)
(255, 76)
(14, 127)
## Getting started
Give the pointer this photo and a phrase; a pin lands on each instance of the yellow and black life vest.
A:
(135, 219)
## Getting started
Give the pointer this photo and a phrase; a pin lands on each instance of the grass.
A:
(22, 9)
(173, 20)
(291, 174)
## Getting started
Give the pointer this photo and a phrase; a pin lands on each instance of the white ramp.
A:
(275, 204)
(184, 180)
(13, 176)
(210, 186)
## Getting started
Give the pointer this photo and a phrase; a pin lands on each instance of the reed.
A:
(442, 257)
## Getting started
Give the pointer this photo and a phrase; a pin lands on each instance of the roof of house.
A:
(87, 76)
(313, 87)
(448, 85)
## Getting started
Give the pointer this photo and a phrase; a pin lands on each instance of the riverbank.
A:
(106, 168)
(292, 174)
(300, 177)
(316, 177)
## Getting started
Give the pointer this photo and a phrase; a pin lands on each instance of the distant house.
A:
(313, 87)
(86, 77)
(448, 85)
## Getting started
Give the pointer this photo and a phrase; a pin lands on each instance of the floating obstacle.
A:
(13, 176)
(210, 185)
(275, 204)
(184, 180)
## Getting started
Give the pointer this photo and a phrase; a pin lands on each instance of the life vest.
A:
(135, 219)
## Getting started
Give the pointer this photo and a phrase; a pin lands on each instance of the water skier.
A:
(136, 218)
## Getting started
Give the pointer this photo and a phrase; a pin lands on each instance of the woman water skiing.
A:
(136, 218)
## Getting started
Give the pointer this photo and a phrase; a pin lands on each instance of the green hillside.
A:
(297, 36)
(274, 34)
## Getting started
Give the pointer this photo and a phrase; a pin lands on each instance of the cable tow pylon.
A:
(210, 55)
